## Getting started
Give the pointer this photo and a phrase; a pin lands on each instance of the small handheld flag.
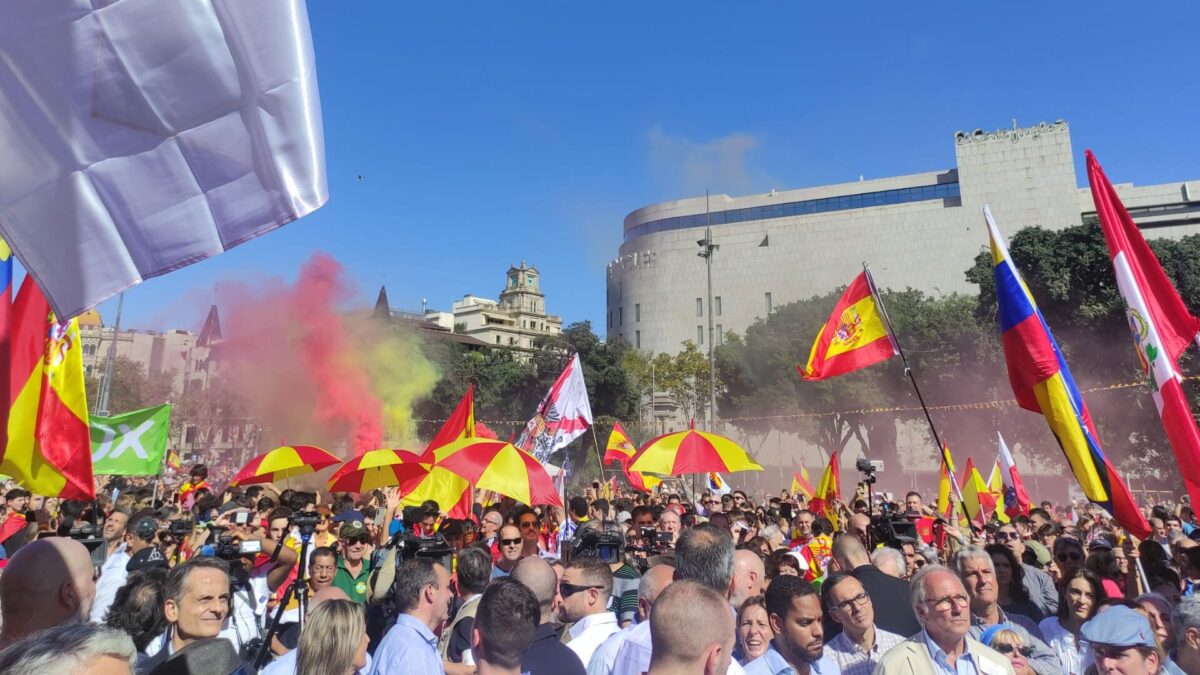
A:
(854, 337)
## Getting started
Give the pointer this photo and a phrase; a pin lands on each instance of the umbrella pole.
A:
(599, 458)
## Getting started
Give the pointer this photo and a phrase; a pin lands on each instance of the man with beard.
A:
(943, 609)
(113, 534)
(684, 646)
(799, 644)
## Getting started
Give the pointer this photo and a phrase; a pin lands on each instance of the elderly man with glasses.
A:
(943, 646)
(978, 575)
(1037, 583)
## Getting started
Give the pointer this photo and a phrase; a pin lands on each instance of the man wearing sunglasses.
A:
(354, 562)
(978, 575)
(1037, 583)
(510, 544)
(585, 590)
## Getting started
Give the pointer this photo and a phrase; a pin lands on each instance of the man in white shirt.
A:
(585, 589)
(653, 582)
(140, 532)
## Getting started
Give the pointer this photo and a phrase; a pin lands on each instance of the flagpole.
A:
(911, 378)
(599, 458)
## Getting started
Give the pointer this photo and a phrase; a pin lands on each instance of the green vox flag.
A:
(131, 444)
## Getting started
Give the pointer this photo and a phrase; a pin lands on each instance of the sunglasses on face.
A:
(361, 539)
(528, 524)
(567, 589)
(510, 542)
(1008, 649)
(1007, 536)
(1072, 556)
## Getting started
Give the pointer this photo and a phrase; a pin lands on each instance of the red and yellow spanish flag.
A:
(855, 336)
(979, 501)
(47, 446)
(460, 425)
(801, 485)
(947, 485)
(828, 491)
(621, 449)
(995, 486)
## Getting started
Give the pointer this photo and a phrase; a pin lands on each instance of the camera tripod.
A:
(297, 589)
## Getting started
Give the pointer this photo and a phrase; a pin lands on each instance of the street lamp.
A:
(707, 248)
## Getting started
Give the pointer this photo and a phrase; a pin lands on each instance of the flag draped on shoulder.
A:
(855, 336)
(152, 135)
(47, 448)
(621, 449)
(561, 417)
(801, 485)
(1016, 499)
(828, 491)
(1159, 320)
(132, 444)
(1042, 383)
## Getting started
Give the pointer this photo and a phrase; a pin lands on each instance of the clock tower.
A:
(523, 291)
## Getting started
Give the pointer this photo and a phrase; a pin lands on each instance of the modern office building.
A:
(920, 230)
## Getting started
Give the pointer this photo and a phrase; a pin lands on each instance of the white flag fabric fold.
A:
(141, 137)
(561, 417)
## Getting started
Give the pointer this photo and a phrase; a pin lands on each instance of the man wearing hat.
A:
(1121, 641)
(354, 561)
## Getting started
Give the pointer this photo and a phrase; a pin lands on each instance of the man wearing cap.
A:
(1037, 583)
(354, 563)
(1121, 641)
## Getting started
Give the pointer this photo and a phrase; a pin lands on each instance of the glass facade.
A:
(800, 208)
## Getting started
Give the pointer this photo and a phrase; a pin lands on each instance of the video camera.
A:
(305, 521)
(227, 549)
(433, 546)
(180, 528)
(588, 542)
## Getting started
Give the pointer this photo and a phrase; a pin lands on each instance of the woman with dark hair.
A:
(1078, 600)
(1103, 563)
(1010, 583)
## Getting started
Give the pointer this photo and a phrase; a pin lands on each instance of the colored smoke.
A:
(313, 372)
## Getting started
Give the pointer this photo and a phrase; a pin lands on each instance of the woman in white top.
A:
(1078, 599)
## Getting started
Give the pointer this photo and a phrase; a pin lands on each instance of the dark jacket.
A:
(889, 596)
(548, 656)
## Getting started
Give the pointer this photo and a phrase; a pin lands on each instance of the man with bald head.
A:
(683, 645)
(850, 556)
(748, 575)
(547, 655)
(652, 584)
(47, 583)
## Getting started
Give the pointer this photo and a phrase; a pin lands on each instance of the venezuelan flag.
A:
(1043, 384)
(48, 445)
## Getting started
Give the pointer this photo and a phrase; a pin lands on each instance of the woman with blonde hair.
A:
(334, 641)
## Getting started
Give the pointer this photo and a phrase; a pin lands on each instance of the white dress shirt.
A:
(113, 576)
(588, 633)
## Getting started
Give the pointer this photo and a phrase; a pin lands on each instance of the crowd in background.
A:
(193, 578)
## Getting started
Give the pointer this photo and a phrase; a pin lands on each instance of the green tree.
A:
(131, 388)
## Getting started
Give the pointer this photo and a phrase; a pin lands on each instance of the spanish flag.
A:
(460, 425)
(621, 450)
(854, 337)
(801, 485)
(48, 448)
(979, 501)
(828, 491)
(946, 485)
(996, 486)
(452, 492)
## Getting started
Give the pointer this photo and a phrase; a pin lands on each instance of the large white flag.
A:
(140, 137)
(561, 417)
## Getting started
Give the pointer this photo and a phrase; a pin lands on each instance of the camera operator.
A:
(140, 533)
(259, 565)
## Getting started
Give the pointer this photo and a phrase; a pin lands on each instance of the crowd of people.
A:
(196, 579)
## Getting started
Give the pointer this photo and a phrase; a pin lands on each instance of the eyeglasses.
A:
(859, 600)
(1072, 556)
(1008, 649)
(567, 589)
(510, 542)
(943, 604)
(528, 524)
(1008, 536)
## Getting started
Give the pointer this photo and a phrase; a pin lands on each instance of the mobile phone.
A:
(785, 510)
(241, 518)
(250, 547)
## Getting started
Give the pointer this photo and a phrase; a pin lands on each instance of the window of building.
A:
(719, 337)
(699, 306)
(717, 306)
(637, 312)
(637, 339)
(700, 335)
(497, 339)
(770, 305)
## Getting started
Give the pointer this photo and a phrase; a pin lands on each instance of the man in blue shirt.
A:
(423, 594)
(794, 610)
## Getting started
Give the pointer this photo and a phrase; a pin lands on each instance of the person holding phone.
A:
(261, 567)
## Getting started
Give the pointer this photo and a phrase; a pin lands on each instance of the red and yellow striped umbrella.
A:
(451, 491)
(692, 451)
(501, 467)
(284, 462)
(377, 469)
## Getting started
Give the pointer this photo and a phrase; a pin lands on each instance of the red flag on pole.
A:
(1159, 320)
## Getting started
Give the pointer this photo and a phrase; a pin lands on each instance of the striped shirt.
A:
(852, 659)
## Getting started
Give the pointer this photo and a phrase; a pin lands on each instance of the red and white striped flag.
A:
(1160, 322)
(1016, 499)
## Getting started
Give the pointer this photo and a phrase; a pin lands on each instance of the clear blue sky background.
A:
(488, 132)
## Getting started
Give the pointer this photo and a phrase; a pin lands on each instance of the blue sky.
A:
(488, 132)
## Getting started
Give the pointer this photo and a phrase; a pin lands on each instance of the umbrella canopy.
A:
(692, 451)
(284, 462)
(377, 469)
(501, 467)
(451, 491)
